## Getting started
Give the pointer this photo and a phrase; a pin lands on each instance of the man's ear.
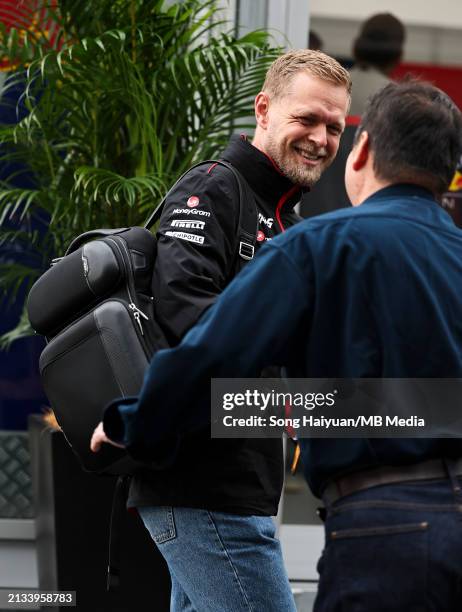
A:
(360, 152)
(261, 109)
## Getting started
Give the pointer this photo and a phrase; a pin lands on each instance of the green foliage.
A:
(123, 99)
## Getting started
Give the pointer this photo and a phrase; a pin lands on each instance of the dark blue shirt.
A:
(371, 291)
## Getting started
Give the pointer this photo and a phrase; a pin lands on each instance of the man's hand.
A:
(99, 437)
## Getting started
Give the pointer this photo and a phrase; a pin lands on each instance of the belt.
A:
(389, 474)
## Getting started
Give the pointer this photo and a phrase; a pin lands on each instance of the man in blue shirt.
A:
(371, 291)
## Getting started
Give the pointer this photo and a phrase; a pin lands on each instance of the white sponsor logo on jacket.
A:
(268, 222)
(191, 211)
(188, 224)
(187, 237)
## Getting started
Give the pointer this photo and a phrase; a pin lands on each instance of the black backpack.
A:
(95, 308)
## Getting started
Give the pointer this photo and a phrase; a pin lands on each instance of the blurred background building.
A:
(432, 50)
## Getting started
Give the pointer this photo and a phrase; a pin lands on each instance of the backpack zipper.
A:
(48, 339)
(130, 284)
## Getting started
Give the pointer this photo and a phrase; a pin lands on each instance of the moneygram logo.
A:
(191, 211)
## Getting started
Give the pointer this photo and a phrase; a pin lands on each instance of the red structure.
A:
(30, 17)
(447, 78)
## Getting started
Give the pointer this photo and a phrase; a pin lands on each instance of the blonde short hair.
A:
(315, 63)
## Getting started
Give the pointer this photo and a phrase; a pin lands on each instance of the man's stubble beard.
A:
(297, 173)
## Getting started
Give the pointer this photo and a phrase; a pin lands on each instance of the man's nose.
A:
(318, 134)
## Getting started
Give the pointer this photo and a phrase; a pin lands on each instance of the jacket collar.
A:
(261, 173)
(400, 190)
(414, 201)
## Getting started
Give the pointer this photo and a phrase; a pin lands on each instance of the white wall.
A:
(434, 29)
(286, 20)
(289, 20)
(424, 44)
(443, 13)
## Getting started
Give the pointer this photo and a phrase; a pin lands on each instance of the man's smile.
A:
(309, 156)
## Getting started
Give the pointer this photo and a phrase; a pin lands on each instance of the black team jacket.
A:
(197, 253)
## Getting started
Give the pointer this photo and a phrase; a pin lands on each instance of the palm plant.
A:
(122, 99)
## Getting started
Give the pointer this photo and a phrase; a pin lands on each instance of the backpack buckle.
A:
(246, 250)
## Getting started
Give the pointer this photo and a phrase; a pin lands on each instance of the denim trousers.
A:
(394, 548)
(220, 562)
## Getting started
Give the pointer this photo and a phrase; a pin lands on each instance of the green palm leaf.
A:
(129, 95)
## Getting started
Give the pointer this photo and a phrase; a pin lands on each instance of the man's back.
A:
(387, 278)
(379, 270)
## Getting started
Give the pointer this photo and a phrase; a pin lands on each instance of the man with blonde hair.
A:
(301, 132)
(209, 511)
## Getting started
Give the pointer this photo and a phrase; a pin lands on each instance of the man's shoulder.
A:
(338, 225)
(401, 213)
(332, 220)
(210, 173)
(368, 212)
(205, 189)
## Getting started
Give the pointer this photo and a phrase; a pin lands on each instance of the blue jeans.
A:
(220, 562)
(394, 548)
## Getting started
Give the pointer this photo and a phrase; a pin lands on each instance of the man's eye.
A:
(334, 130)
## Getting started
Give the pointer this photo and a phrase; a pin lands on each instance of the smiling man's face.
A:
(301, 129)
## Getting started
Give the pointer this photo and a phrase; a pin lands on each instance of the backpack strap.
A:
(248, 215)
(117, 522)
(155, 216)
(248, 220)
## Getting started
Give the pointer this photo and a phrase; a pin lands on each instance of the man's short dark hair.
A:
(380, 42)
(415, 134)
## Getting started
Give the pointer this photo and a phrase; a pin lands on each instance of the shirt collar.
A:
(400, 190)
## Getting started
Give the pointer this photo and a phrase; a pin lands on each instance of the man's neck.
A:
(370, 186)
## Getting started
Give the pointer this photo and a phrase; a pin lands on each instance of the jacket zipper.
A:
(281, 203)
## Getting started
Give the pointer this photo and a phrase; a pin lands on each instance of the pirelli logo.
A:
(187, 237)
(188, 224)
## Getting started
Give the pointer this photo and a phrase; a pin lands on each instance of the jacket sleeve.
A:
(256, 322)
(197, 239)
